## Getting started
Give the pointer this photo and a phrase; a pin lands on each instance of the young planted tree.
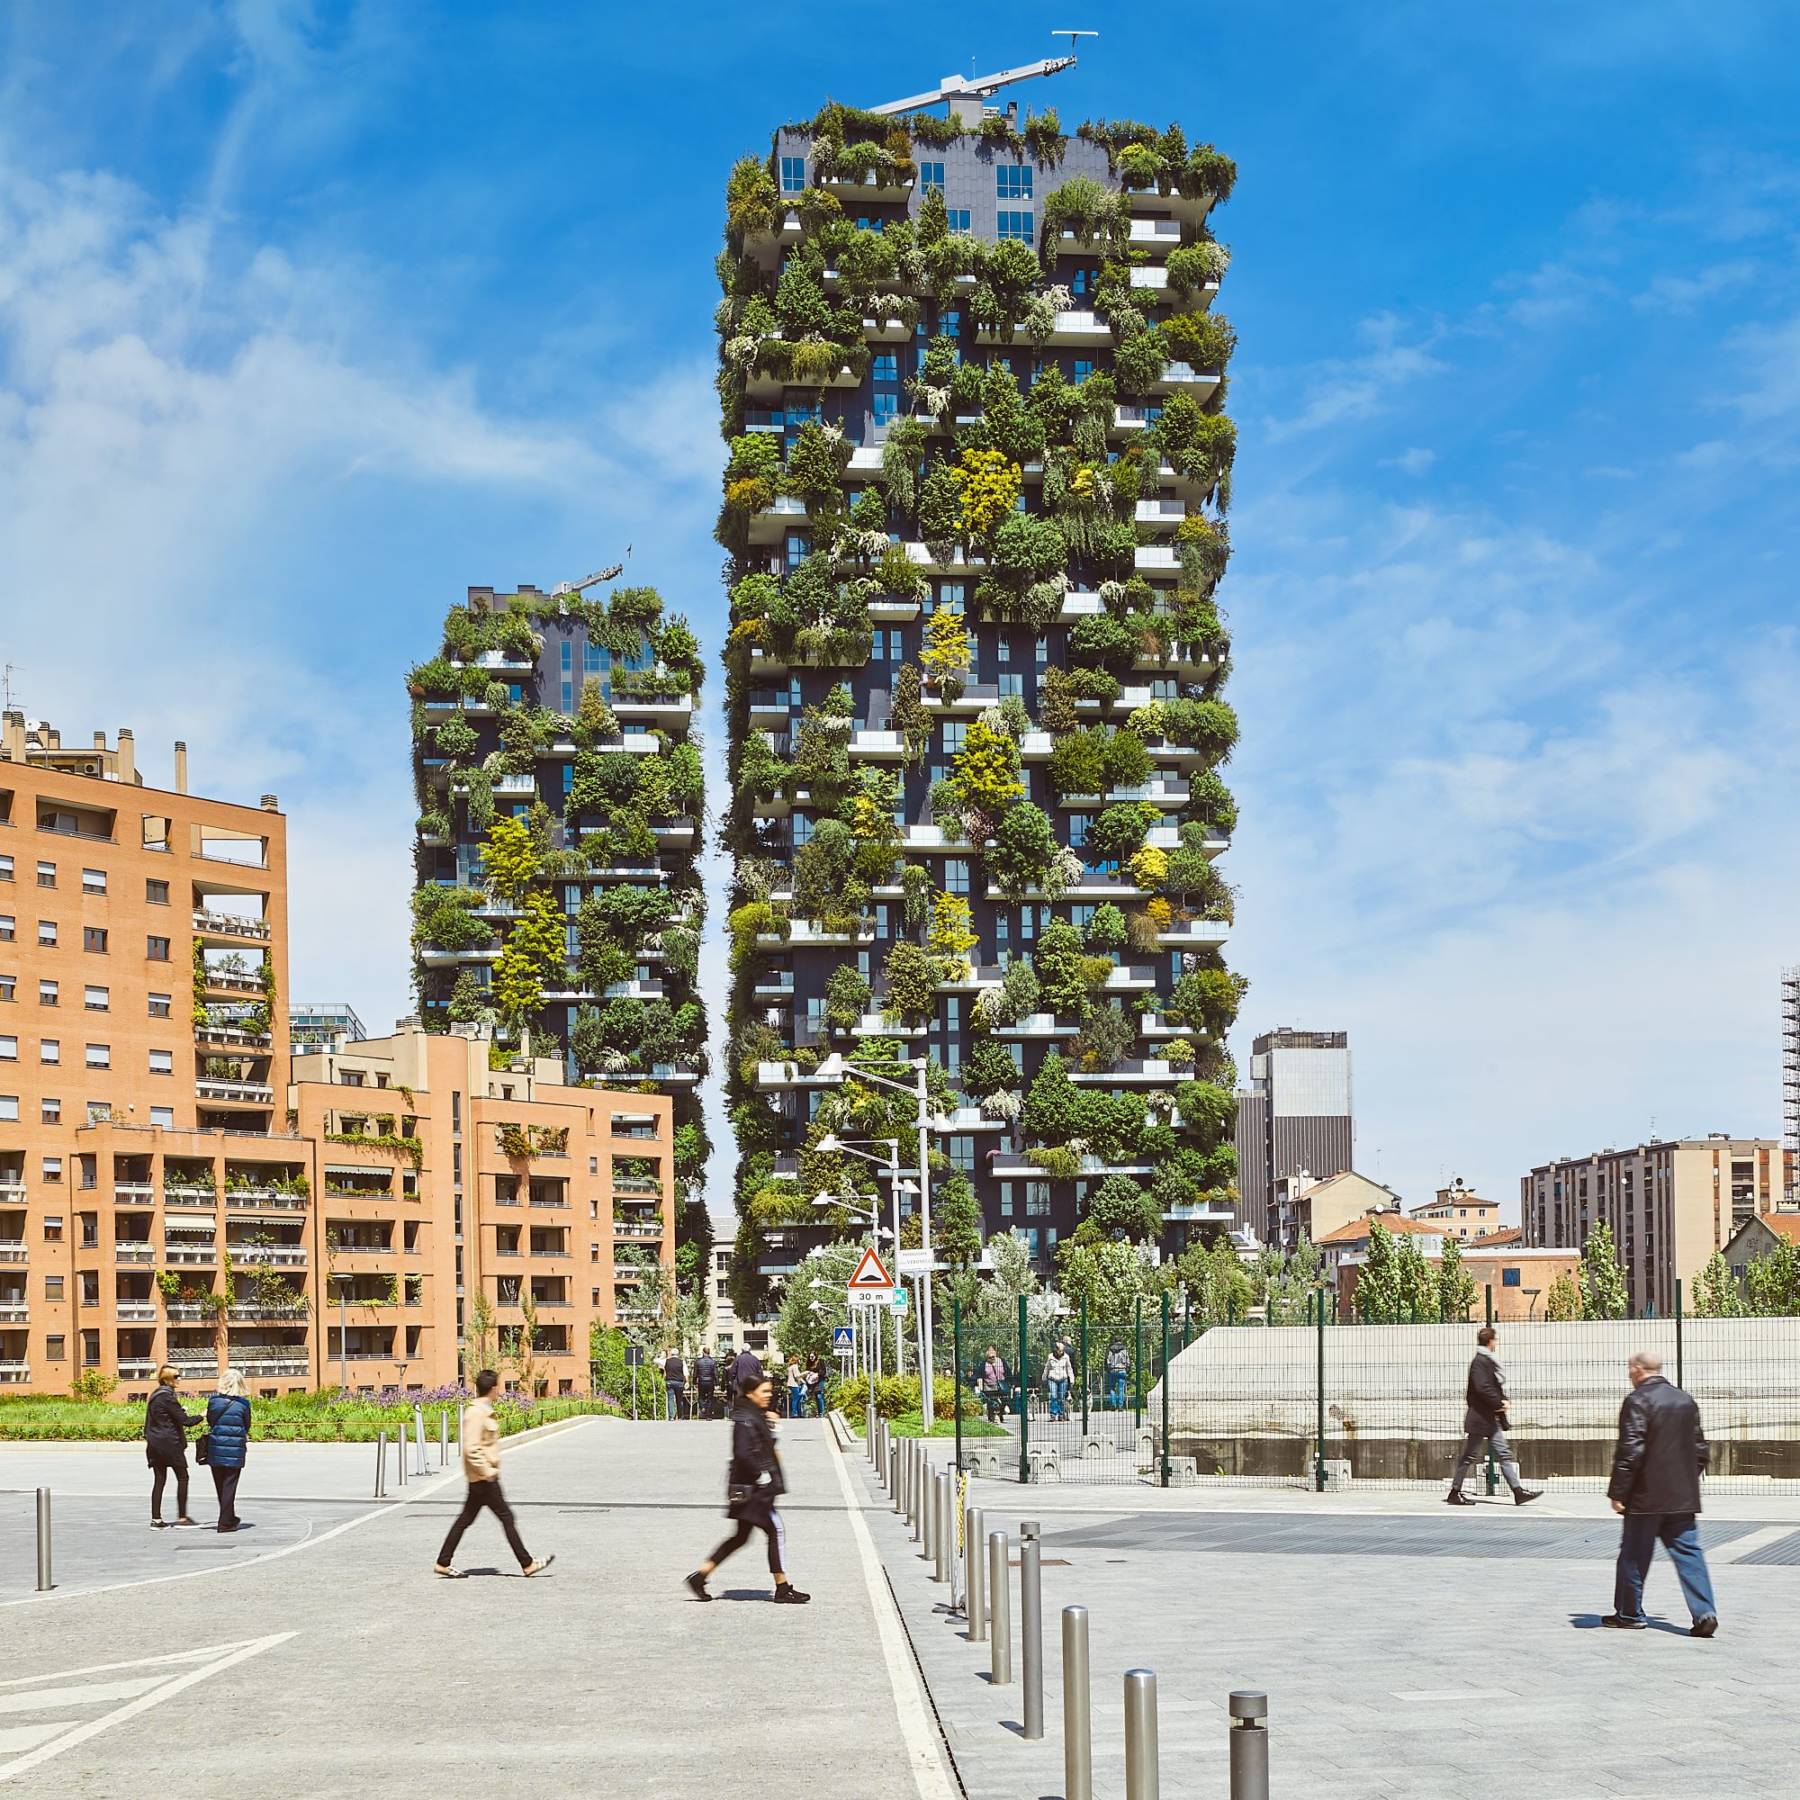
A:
(1603, 1292)
(1716, 1294)
(1456, 1286)
(1563, 1303)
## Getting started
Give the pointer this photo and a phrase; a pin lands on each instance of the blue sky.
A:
(311, 316)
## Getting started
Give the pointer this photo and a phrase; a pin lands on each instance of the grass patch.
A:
(913, 1425)
(318, 1418)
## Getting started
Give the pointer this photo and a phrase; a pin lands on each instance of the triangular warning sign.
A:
(870, 1273)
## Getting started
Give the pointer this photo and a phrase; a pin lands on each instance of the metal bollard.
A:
(893, 1476)
(940, 1515)
(972, 1574)
(999, 1611)
(419, 1427)
(927, 1507)
(897, 1463)
(381, 1465)
(909, 1483)
(444, 1440)
(1078, 1714)
(44, 1572)
(1143, 1760)
(1249, 1746)
(1031, 1625)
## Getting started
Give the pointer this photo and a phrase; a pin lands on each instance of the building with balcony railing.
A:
(974, 505)
(559, 806)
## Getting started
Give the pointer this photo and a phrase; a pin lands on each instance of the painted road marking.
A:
(52, 1737)
(1429, 1694)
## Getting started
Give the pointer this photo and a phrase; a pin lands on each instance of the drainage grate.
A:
(1784, 1550)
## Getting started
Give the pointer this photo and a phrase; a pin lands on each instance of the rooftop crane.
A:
(611, 573)
(966, 92)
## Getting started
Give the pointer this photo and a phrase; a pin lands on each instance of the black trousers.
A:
(740, 1537)
(225, 1486)
(484, 1494)
(162, 1468)
(707, 1403)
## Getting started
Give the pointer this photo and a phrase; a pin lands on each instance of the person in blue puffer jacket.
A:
(227, 1443)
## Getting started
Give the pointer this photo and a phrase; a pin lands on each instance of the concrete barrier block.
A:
(1093, 1446)
(1043, 1464)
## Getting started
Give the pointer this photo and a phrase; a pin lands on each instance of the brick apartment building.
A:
(1670, 1204)
(162, 1198)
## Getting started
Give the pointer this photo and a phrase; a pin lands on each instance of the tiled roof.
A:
(1358, 1229)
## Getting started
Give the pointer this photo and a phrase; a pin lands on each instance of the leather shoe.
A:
(1616, 1622)
(1525, 1496)
(1456, 1497)
(1705, 1627)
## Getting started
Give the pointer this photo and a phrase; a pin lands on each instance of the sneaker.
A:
(159, 1525)
(186, 1521)
(448, 1573)
(1618, 1622)
(226, 1530)
(1456, 1497)
(1525, 1496)
(537, 1567)
(1705, 1627)
(789, 1595)
(696, 1584)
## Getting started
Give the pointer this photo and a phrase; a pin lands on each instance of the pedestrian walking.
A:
(481, 1468)
(815, 1387)
(165, 1445)
(227, 1443)
(1484, 1422)
(1118, 1366)
(752, 1486)
(674, 1383)
(706, 1383)
(993, 1384)
(1059, 1371)
(745, 1366)
(796, 1380)
(1655, 1488)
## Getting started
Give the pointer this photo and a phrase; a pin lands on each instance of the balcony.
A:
(522, 787)
(1034, 1026)
(136, 1368)
(195, 1256)
(1013, 1165)
(272, 1365)
(280, 1256)
(879, 1025)
(234, 1093)
(1194, 934)
(772, 1076)
(126, 1250)
(976, 696)
(770, 708)
(129, 1193)
(231, 927)
(772, 524)
(1200, 383)
(135, 1312)
(1129, 977)
(636, 1232)
(229, 981)
(254, 1313)
(502, 662)
(877, 746)
(191, 1198)
(14, 1312)
(229, 1037)
(653, 709)
(775, 984)
(15, 1371)
(259, 1200)
(1161, 512)
(804, 933)
(1072, 330)
(1149, 1072)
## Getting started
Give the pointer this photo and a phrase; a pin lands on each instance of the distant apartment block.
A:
(1295, 1117)
(1670, 1204)
(1305, 1207)
(1459, 1212)
(1510, 1279)
(725, 1332)
(322, 1025)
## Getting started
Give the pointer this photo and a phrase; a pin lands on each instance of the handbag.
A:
(738, 1493)
(203, 1447)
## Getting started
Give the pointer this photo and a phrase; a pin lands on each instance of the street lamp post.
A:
(833, 1145)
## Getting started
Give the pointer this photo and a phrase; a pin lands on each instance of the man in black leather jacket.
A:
(1484, 1422)
(1655, 1488)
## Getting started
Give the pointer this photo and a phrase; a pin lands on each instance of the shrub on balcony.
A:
(1054, 1105)
(1088, 208)
(434, 680)
(1107, 1038)
(1149, 868)
(846, 998)
(444, 919)
(989, 1069)
(532, 955)
(1207, 999)
(1058, 964)
(910, 977)
(1023, 854)
(822, 867)
(1119, 832)
(1203, 340)
(984, 776)
(1193, 267)
(1124, 1210)
(1078, 763)
(946, 654)
(940, 511)
(1209, 726)
(433, 824)
(1139, 361)
(1104, 643)
(951, 937)
(1106, 929)
(816, 462)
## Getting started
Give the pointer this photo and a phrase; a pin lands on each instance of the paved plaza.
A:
(1409, 1653)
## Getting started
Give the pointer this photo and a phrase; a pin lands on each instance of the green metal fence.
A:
(1154, 1398)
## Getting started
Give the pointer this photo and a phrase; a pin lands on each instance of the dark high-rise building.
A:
(973, 392)
(561, 802)
(1295, 1115)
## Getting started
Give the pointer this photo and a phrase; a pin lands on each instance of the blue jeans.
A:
(1115, 1388)
(1678, 1535)
(796, 1402)
(819, 1400)
(674, 1392)
(1059, 1399)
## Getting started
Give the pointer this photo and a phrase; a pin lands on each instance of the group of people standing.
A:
(222, 1447)
(805, 1385)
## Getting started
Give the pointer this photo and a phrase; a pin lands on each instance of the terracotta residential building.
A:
(1459, 1211)
(1670, 1204)
(162, 1200)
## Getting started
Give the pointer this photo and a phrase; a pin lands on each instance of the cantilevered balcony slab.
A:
(783, 514)
(1036, 1027)
(1148, 1072)
(1194, 934)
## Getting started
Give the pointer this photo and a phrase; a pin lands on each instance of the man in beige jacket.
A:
(481, 1465)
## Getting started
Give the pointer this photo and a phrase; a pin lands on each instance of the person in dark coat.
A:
(675, 1383)
(706, 1383)
(745, 1366)
(1655, 1489)
(1484, 1422)
(752, 1486)
(165, 1445)
(228, 1443)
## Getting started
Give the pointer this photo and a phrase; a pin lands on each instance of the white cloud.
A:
(1415, 461)
(1684, 293)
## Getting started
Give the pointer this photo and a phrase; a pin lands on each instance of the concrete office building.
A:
(1670, 1204)
(1294, 1117)
(972, 393)
(322, 1025)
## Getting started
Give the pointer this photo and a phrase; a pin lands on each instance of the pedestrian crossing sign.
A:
(871, 1273)
(843, 1338)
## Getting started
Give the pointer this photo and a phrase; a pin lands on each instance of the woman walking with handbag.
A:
(165, 1445)
(752, 1486)
(227, 1443)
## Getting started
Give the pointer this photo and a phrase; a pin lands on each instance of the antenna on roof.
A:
(1063, 31)
(6, 684)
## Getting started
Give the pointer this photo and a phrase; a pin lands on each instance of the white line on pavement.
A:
(923, 1746)
(137, 1662)
(1429, 1694)
(306, 1543)
(1739, 1548)
(167, 1690)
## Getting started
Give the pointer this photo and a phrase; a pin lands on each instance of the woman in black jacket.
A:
(752, 1486)
(165, 1445)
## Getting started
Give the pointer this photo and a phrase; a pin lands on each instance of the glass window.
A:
(1081, 913)
(156, 893)
(96, 999)
(1037, 1198)
(954, 733)
(99, 1056)
(93, 881)
(1011, 684)
(1016, 226)
(162, 1062)
(159, 1005)
(47, 933)
(9, 1049)
(46, 874)
(956, 876)
(9, 1108)
(1012, 181)
(1078, 829)
(1079, 283)
(884, 409)
(49, 1050)
(47, 993)
(1042, 654)
(803, 829)
(93, 937)
(8, 928)
(1084, 367)
(163, 1115)
(1006, 1199)
(9, 988)
(950, 323)
(959, 221)
(50, 1111)
(931, 177)
(1509, 1277)
(157, 949)
(793, 174)
(962, 1155)
(6, 868)
(796, 551)
(885, 366)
